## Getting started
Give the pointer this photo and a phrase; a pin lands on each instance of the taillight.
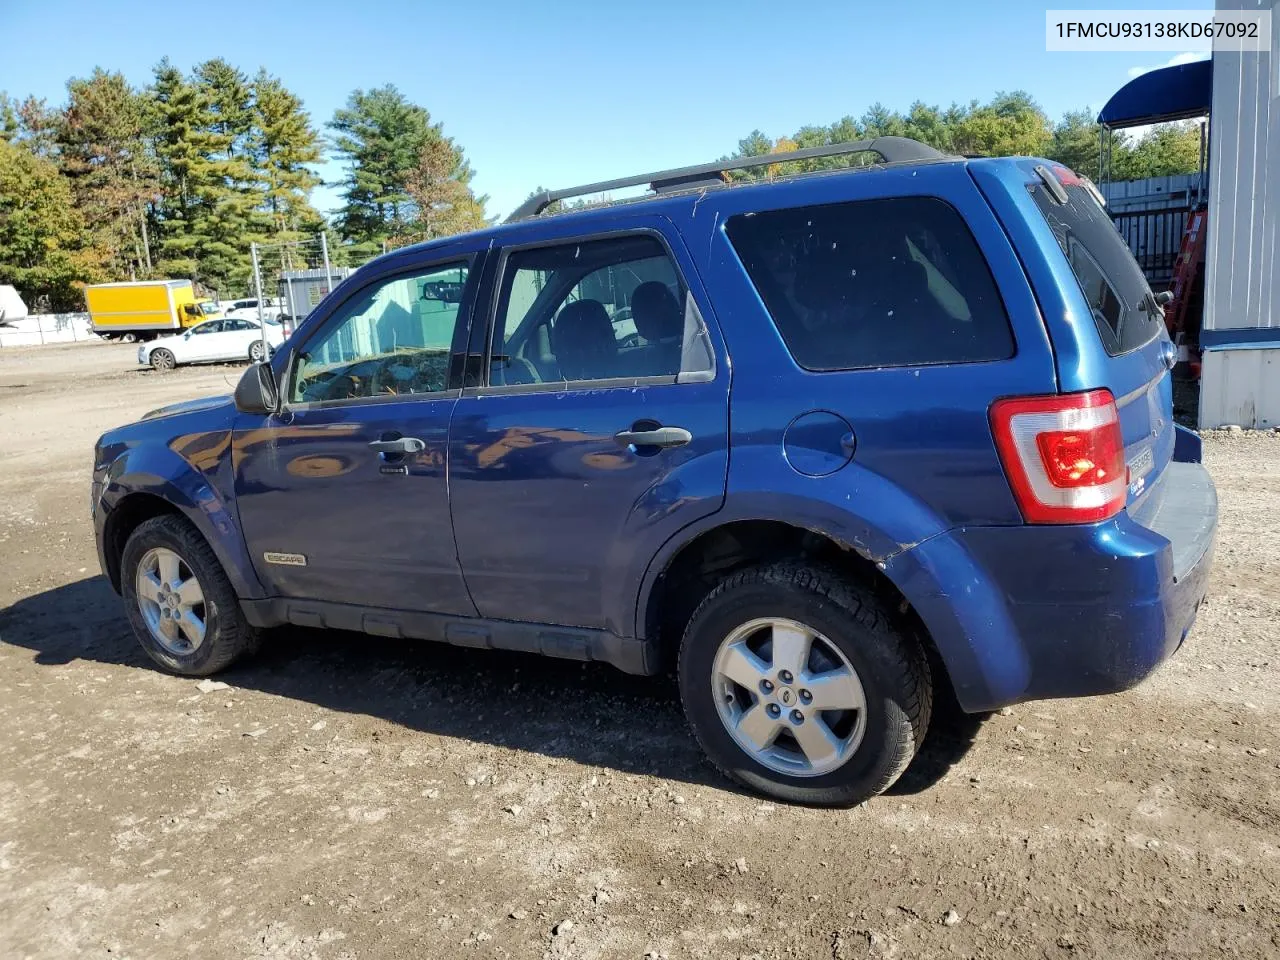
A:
(1063, 455)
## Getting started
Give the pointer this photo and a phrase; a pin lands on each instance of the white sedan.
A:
(213, 341)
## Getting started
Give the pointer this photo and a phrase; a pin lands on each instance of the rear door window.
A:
(1112, 282)
(874, 283)
(596, 310)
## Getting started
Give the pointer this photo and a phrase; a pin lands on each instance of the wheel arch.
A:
(133, 498)
(689, 569)
(130, 513)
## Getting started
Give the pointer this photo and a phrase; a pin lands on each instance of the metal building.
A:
(302, 290)
(1240, 383)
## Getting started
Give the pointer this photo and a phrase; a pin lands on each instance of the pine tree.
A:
(180, 118)
(382, 136)
(230, 99)
(8, 118)
(444, 203)
(283, 145)
(227, 216)
(210, 212)
(37, 127)
(113, 176)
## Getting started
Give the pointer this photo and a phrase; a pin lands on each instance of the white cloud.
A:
(1174, 61)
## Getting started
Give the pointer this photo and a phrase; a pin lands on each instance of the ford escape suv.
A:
(828, 445)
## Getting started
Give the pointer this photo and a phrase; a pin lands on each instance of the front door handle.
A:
(398, 445)
(657, 437)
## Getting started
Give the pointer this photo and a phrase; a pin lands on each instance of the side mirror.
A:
(256, 392)
(443, 291)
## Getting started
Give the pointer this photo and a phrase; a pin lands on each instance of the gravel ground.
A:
(348, 797)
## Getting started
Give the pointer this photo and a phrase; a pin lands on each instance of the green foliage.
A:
(1163, 151)
(37, 127)
(41, 232)
(180, 122)
(384, 139)
(8, 118)
(443, 203)
(1075, 143)
(283, 146)
(1011, 124)
(102, 151)
(177, 179)
(233, 155)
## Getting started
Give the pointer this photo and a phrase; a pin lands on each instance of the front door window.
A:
(392, 339)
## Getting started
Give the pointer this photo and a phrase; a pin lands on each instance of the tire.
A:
(256, 353)
(226, 635)
(851, 631)
(163, 360)
(128, 338)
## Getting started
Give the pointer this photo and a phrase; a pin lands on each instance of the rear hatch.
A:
(1129, 324)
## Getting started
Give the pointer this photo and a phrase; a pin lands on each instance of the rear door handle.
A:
(398, 445)
(658, 437)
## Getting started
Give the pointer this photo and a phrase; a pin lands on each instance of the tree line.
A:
(1010, 124)
(177, 178)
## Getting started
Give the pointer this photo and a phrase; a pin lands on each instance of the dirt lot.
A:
(348, 797)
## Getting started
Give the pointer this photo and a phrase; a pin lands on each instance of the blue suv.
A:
(829, 444)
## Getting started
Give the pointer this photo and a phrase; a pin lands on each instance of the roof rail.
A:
(891, 150)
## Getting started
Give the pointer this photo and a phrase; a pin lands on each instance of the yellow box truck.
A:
(144, 309)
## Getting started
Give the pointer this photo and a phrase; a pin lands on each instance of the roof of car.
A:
(676, 188)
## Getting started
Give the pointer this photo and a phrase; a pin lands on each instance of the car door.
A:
(343, 496)
(236, 337)
(597, 428)
(201, 342)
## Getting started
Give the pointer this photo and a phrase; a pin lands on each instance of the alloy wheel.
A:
(789, 697)
(171, 601)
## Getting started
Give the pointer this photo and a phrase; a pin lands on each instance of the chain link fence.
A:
(293, 277)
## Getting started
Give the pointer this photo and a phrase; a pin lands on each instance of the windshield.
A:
(208, 308)
(1123, 306)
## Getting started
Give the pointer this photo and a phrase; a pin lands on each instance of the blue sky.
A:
(560, 92)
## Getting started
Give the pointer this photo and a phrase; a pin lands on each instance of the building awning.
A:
(1160, 96)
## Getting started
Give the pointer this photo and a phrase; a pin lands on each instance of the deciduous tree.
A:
(41, 232)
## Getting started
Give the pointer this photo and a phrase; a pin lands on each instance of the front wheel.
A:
(163, 360)
(180, 603)
(798, 684)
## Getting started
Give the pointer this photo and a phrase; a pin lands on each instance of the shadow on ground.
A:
(590, 713)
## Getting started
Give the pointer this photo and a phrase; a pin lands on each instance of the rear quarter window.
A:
(874, 283)
(1118, 295)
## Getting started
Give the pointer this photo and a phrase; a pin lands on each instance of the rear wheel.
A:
(798, 684)
(181, 605)
(256, 353)
(162, 359)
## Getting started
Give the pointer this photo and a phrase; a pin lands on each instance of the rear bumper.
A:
(1034, 612)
